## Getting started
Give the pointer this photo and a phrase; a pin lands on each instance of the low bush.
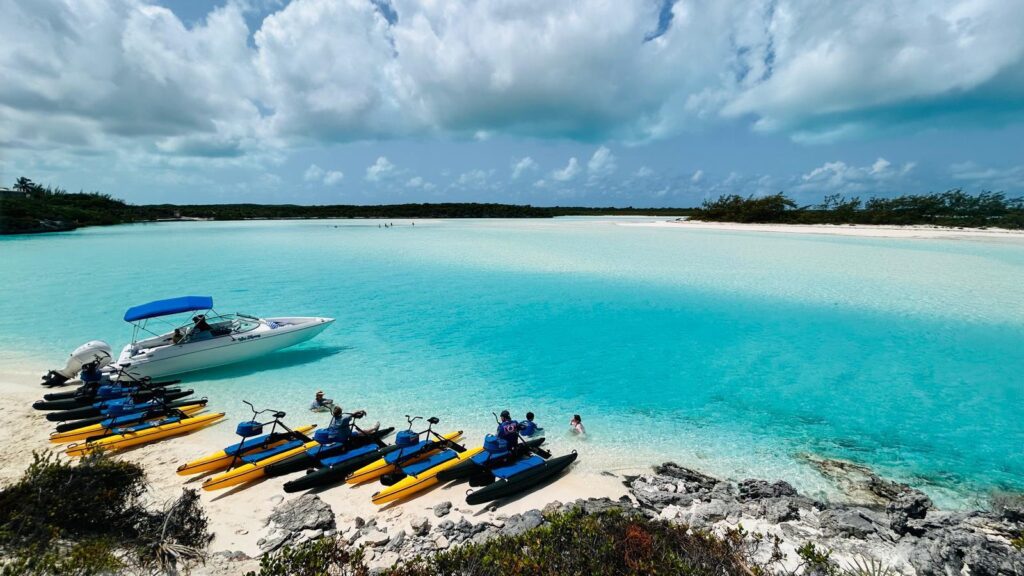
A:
(596, 544)
(321, 557)
(87, 518)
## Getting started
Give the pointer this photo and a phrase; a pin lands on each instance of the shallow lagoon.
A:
(735, 352)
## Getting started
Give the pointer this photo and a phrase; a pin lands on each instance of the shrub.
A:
(98, 497)
(320, 557)
(87, 518)
(596, 544)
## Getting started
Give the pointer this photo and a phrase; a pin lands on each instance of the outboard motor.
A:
(88, 358)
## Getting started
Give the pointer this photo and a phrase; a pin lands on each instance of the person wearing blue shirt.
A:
(342, 425)
(508, 430)
(529, 427)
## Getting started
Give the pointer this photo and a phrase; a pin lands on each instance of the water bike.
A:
(254, 445)
(373, 465)
(336, 447)
(246, 467)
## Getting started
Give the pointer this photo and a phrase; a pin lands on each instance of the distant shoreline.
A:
(921, 231)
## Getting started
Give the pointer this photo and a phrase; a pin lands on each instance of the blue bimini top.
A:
(166, 307)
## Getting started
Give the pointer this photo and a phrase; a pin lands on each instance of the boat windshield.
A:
(218, 326)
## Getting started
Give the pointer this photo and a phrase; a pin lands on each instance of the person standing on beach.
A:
(576, 425)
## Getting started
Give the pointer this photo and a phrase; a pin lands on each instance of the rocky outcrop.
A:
(891, 522)
(294, 521)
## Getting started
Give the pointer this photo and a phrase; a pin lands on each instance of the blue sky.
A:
(643, 103)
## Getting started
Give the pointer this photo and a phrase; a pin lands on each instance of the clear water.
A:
(736, 352)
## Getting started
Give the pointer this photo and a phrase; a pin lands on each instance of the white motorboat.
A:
(209, 339)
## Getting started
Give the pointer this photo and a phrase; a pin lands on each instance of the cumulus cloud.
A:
(328, 177)
(1006, 179)
(644, 172)
(354, 69)
(107, 73)
(844, 178)
(602, 163)
(313, 173)
(333, 177)
(571, 170)
(128, 81)
(525, 164)
(847, 67)
(381, 169)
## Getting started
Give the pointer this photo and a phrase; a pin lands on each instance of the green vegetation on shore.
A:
(951, 208)
(88, 518)
(31, 208)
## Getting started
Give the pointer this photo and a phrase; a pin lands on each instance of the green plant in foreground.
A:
(817, 562)
(87, 518)
(596, 544)
(320, 557)
(869, 567)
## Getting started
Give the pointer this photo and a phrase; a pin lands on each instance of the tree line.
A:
(30, 207)
(954, 208)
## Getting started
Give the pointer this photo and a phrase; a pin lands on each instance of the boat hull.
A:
(222, 351)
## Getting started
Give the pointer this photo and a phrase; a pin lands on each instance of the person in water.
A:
(528, 427)
(343, 426)
(576, 425)
(321, 404)
(508, 430)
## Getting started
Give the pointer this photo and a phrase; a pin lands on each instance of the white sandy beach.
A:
(860, 230)
(238, 516)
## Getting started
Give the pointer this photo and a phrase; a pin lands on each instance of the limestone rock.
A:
(694, 480)
(519, 523)
(375, 537)
(442, 509)
(751, 489)
(854, 522)
(307, 512)
(420, 526)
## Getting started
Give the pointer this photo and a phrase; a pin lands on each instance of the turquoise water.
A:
(736, 352)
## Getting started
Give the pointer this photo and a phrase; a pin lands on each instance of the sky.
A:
(556, 102)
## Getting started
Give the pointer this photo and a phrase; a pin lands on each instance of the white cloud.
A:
(602, 163)
(841, 177)
(697, 176)
(1006, 179)
(880, 166)
(644, 172)
(832, 67)
(328, 177)
(333, 177)
(475, 179)
(379, 170)
(313, 173)
(524, 164)
(571, 170)
(128, 78)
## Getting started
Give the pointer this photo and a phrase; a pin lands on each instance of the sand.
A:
(861, 230)
(238, 515)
